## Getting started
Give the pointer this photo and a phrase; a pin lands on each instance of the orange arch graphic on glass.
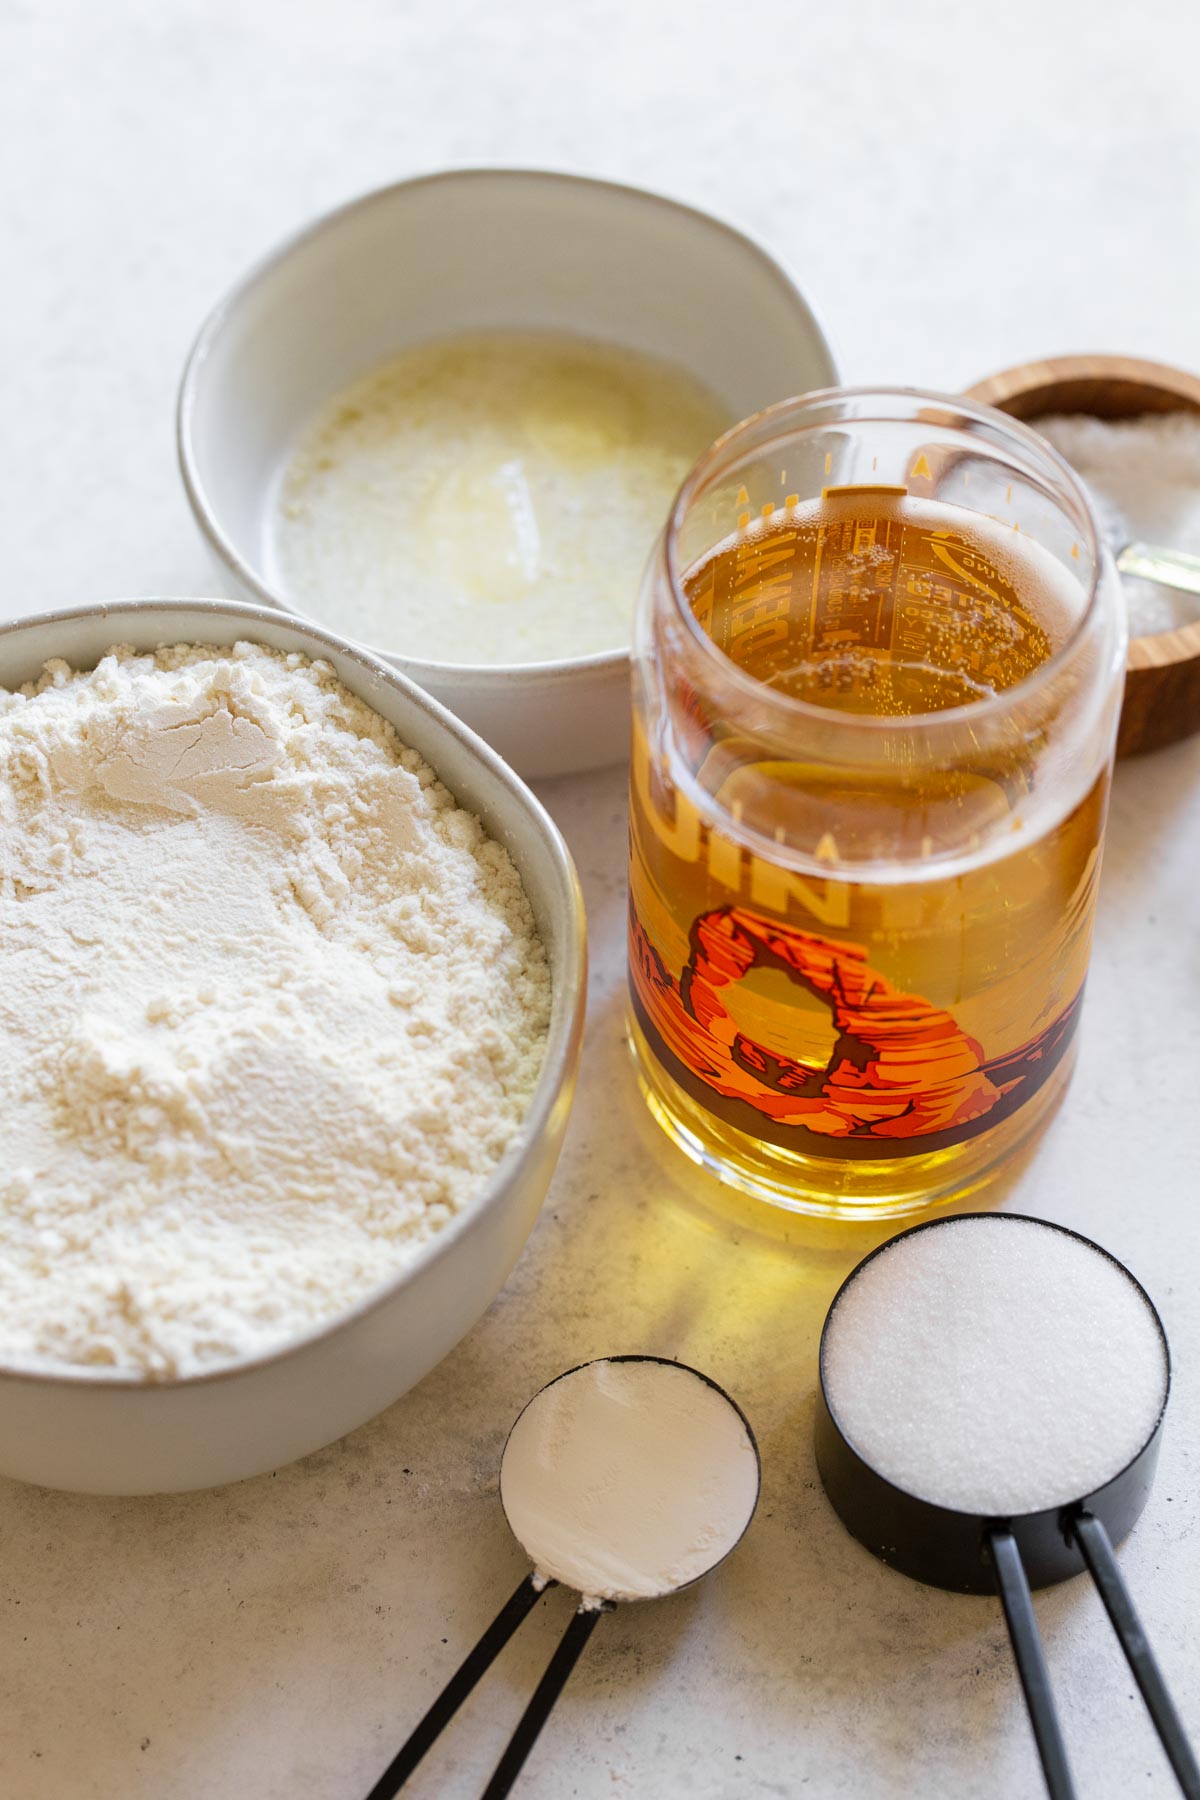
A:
(901, 1067)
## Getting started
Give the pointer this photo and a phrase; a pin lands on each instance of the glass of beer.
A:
(878, 667)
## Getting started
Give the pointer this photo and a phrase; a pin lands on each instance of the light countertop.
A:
(957, 188)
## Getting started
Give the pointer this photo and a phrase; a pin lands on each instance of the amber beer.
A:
(871, 746)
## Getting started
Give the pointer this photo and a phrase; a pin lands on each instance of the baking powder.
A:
(626, 1479)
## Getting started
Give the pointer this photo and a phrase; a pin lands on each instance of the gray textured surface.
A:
(955, 196)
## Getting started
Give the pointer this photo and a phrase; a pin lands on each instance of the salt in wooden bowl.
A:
(1162, 680)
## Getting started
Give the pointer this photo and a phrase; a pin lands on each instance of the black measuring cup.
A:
(1009, 1554)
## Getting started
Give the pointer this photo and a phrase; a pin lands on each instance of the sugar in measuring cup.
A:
(992, 1392)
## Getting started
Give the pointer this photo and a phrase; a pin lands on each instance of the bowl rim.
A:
(1021, 381)
(568, 994)
(445, 674)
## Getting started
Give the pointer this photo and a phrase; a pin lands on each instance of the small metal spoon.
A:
(1154, 562)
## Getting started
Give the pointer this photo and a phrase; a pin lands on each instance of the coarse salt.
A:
(1144, 478)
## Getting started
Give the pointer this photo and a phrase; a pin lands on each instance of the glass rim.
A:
(787, 410)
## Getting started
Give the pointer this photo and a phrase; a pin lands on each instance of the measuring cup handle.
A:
(1017, 1601)
(1094, 1542)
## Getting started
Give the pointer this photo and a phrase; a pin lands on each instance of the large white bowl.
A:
(462, 251)
(106, 1433)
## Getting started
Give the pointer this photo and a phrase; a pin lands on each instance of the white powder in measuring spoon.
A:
(995, 1365)
(272, 1007)
(1144, 477)
(627, 1479)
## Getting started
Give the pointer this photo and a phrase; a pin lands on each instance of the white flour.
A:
(271, 1007)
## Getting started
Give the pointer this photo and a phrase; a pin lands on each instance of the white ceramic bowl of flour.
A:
(469, 251)
(100, 1431)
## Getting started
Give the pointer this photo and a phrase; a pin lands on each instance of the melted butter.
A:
(490, 498)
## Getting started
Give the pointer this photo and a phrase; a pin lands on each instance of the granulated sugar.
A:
(625, 1480)
(994, 1365)
(271, 1007)
(1144, 476)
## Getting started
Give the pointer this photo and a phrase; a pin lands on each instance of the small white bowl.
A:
(101, 1432)
(464, 251)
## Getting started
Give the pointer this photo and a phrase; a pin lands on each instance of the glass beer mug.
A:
(878, 667)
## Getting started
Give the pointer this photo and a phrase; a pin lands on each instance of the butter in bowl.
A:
(448, 420)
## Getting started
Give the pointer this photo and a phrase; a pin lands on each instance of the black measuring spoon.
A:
(601, 1487)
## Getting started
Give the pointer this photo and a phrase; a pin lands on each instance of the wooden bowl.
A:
(1162, 679)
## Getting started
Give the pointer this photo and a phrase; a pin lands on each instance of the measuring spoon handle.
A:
(570, 1649)
(475, 1664)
